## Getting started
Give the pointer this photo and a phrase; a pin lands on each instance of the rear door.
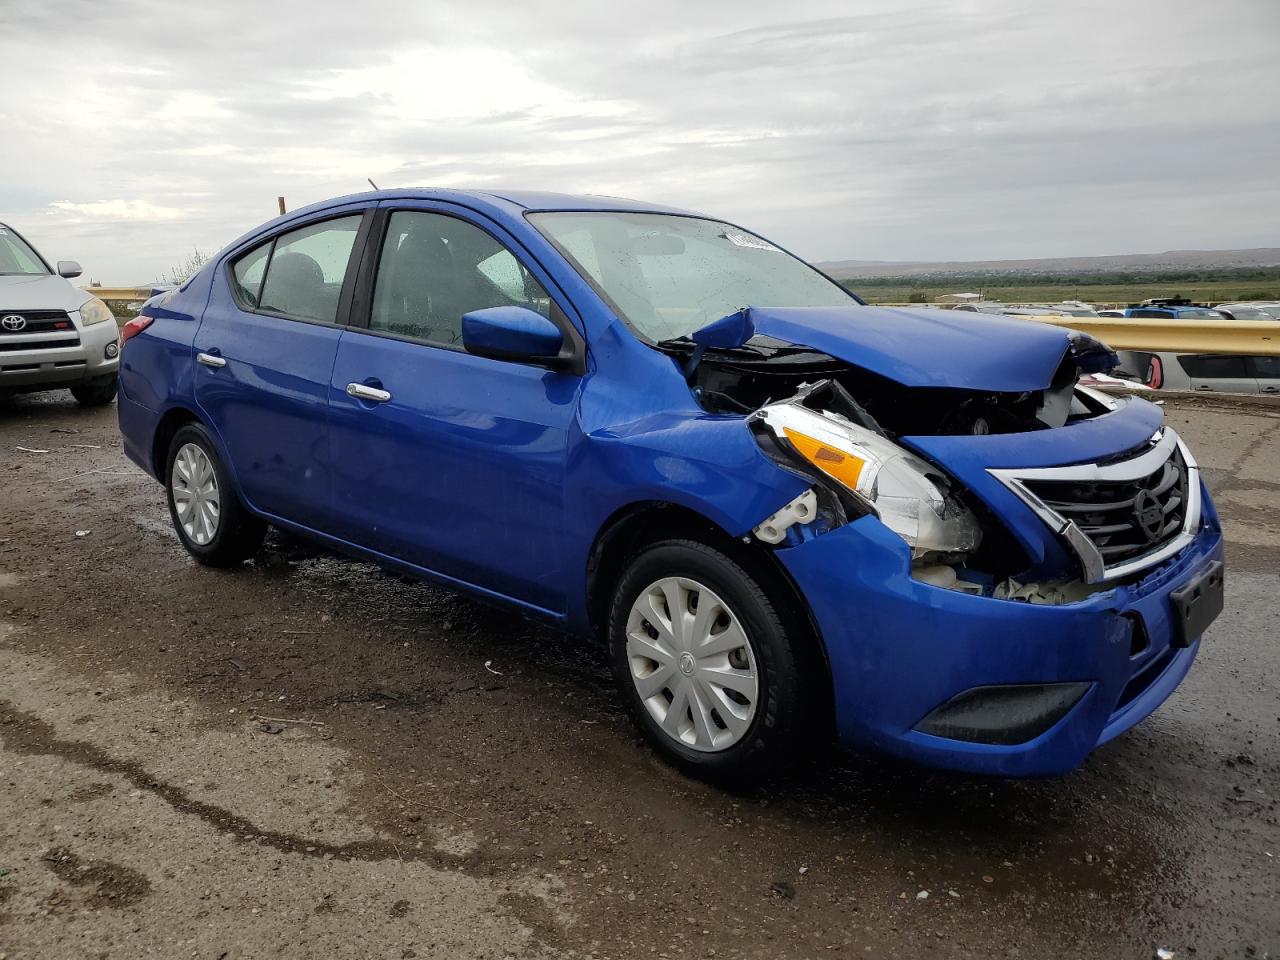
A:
(1219, 373)
(263, 355)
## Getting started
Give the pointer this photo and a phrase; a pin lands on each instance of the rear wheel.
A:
(704, 662)
(210, 520)
(95, 393)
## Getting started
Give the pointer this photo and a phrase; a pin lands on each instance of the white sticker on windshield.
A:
(747, 240)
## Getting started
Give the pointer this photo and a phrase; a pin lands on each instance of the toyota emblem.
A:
(13, 322)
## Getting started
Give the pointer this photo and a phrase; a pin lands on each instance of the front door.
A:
(452, 462)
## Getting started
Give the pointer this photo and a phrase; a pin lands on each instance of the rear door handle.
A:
(210, 360)
(362, 391)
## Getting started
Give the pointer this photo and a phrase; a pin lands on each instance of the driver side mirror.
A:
(69, 269)
(517, 334)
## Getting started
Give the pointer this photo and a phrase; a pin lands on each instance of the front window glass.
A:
(304, 277)
(435, 268)
(670, 275)
(16, 257)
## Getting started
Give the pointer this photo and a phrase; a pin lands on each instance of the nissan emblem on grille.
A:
(13, 322)
(1149, 515)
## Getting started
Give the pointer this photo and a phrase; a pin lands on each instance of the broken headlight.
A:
(910, 497)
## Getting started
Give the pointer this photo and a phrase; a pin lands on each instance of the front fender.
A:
(708, 465)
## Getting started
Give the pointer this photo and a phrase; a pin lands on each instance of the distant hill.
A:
(1170, 260)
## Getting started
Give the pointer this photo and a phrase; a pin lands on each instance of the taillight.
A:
(1155, 373)
(134, 327)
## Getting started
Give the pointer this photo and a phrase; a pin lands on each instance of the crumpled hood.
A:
(926, 348)
(47, 292)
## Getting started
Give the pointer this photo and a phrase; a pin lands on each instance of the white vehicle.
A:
(51, 333)
(1259, 310)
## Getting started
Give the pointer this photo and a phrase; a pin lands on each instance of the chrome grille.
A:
(1122, 516)
(38, 321)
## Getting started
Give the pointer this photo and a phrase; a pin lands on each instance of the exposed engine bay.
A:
(762, 371)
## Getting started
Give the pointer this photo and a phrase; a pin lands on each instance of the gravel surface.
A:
(310, 757)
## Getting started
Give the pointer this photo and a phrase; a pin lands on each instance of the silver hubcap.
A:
(195, 494)
(692, 664)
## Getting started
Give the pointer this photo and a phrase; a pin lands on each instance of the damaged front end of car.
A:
(849, 427)
(987, 550)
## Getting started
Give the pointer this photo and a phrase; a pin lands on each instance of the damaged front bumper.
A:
(990, 685)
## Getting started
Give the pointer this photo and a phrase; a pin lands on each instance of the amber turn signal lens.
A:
(842, 466)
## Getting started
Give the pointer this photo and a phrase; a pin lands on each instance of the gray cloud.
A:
(930, 130)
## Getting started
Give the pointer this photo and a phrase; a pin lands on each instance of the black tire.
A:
(96, 393)
(239, 533)
(779, 717)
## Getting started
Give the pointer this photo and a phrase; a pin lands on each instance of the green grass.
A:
(1211, 291)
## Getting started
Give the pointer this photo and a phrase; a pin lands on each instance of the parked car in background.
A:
(1249, 311)
(1166, 309)
(981, 306)
(1212, 373)
(51, 333)
(1073, 309)
(780, 509)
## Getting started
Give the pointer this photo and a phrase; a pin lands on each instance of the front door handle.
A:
(362, 391)
(210, 360)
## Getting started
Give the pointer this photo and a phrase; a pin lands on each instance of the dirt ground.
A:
(312, 758)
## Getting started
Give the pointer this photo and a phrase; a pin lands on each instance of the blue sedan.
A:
(784, 512)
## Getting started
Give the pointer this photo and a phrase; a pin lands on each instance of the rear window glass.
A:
(249, 271)
(301, 274)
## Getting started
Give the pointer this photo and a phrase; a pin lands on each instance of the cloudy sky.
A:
(132, 131)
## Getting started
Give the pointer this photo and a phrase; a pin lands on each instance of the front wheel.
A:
(96, 393)
(704, 661)
(210, 520)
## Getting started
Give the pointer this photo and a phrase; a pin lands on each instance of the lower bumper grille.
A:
(59, 343)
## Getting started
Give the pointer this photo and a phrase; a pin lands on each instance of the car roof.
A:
(501, 204)
(519, 199)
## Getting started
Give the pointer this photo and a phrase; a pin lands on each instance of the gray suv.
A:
(1212, 373)
(51, 333)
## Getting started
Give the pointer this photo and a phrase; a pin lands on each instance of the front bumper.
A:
(898, 649)
(36, 366)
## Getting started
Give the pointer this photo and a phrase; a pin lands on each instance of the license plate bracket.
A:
(1197, 603)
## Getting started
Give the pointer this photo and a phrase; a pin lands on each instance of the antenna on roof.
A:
(371, 183)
